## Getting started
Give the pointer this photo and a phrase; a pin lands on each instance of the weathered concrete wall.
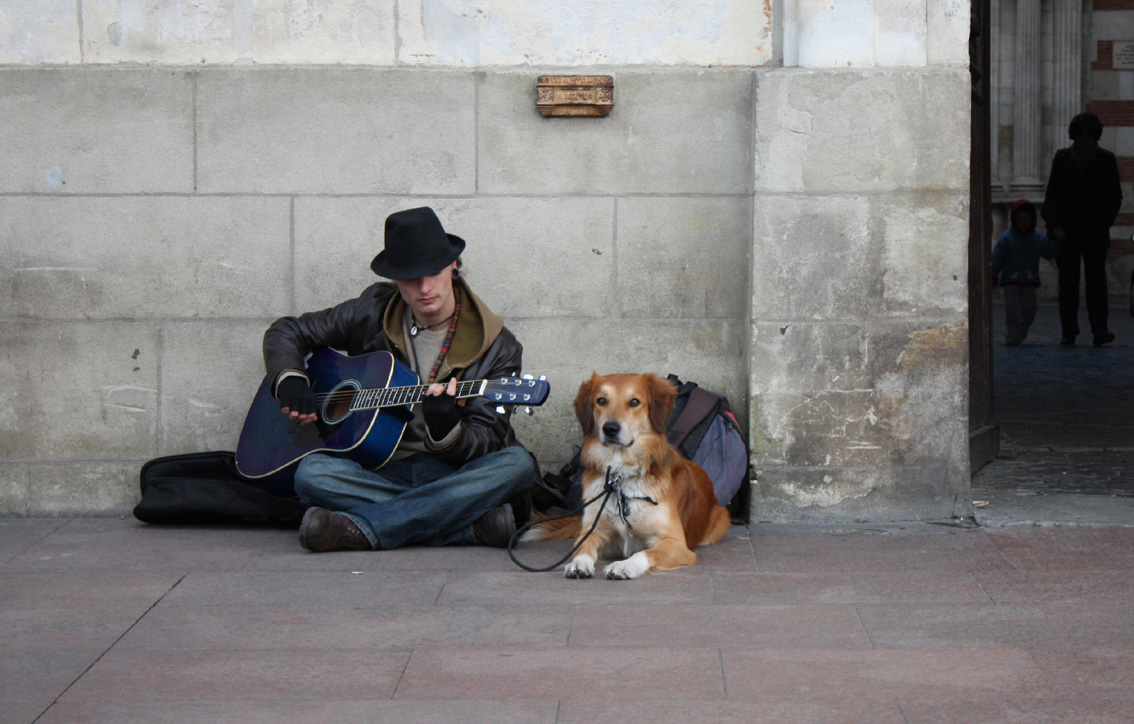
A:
(174, 176)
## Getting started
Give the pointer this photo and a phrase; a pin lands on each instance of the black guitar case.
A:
(205, 487)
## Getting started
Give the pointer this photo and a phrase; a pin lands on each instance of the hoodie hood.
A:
(478, 328)
(1030, 208)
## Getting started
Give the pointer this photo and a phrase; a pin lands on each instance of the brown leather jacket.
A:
(482, 348)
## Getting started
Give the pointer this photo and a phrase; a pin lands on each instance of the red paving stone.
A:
(109, 620)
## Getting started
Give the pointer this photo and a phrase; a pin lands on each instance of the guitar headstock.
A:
(517, 391)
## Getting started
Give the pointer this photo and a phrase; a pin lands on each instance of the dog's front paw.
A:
(632, 567)
(582, 567)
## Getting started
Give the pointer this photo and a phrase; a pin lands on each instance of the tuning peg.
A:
(529, 411)
(527, 377)
(543, 378)
(500, 409)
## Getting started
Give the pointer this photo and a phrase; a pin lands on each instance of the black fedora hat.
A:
(416, 246)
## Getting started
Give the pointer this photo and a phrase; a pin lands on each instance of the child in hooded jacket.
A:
(1015, 266)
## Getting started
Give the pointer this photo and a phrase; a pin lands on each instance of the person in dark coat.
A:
(458, 469)
(1082, 201)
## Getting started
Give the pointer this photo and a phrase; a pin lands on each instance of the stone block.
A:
(144, 257)
(900, 33)
(1105, 87)
(553, 257)
(1112, 25)
(683, 257)
(889, 395)
(210, 371)
(568, 351)
(44, 32)
(265, 31)
(803, 356)
(14, 488)
(82, 391)
(875, 493)
(830, 34)
(947, 32)
(862, 131)
(815, 258)
(671, 132)
(83, 488)
(858, 428)
(650, 32)
(335, 131)
(925, 254)
(96, 130)
(841, 257)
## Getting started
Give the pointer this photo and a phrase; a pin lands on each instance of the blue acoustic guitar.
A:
(363, 404)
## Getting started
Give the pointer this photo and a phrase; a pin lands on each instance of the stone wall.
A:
(859, 297)
(175, 176)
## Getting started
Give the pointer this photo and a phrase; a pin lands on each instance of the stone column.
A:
(1027, 146)
(1067, 65)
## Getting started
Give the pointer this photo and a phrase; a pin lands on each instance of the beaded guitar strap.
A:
(448, 336)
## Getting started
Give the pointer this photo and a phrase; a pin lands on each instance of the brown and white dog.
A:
(664, 504)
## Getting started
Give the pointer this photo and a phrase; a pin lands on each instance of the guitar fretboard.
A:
(411, 395)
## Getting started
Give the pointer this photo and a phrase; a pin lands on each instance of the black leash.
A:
(609, 487)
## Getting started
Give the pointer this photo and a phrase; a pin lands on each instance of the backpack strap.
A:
(700, 405)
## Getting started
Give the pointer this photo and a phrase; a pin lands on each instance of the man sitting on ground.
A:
(458, 468)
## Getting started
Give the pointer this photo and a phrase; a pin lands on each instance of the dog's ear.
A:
(583, 405)
(663, 393)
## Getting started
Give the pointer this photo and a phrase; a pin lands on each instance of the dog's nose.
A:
(611, 429)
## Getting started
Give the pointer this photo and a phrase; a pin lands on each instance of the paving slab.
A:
(836, 676)
(887, 548)
(1066, 429)
(1083, 671)
(312, 627)
(123, 544)
(339, 711)
(1048, 710)
(238, 674)
(1076, 549)
(845, 587)
(565, 673)
(691, 627)
(1107, 587)
(687, 585)
(110, 620)
(1061, 625)
(312, 589)
(728, 712)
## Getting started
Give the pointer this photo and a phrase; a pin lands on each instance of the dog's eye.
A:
(635, 402)
(601, 402)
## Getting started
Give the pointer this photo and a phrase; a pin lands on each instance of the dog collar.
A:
(613, 484)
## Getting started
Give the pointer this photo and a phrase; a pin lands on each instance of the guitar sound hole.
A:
(339, 401)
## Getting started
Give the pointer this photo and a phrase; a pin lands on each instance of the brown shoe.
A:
(322, 530)
(495, 527)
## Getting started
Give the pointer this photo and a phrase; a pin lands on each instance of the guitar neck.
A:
(373, 399)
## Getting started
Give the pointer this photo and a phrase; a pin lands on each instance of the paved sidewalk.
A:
(111, 620)
(1066, 416)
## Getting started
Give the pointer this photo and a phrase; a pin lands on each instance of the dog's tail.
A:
(555, 529)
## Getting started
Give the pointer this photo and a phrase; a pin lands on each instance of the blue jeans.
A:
(421, 499)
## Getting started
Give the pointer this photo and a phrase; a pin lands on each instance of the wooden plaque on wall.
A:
(574, 95)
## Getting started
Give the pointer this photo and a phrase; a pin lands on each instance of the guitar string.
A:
(393, 396)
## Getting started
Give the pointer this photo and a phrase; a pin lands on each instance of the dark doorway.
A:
(1051, 426)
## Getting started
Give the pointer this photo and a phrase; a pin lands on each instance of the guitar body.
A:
(269, 448)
